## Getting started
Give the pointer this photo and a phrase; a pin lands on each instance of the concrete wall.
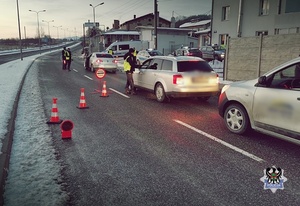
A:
(250, 57)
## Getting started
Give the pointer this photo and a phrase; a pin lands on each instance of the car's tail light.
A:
(215, 80)
(177, 79)
(99, 61)
(115, 61)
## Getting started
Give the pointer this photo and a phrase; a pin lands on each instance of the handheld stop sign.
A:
(100, 73)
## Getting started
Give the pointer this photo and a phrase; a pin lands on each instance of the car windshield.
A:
(155, 53)
(189, 66)
(104, 56)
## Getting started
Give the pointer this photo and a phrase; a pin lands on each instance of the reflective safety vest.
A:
(67, 55)
(126, 65)
(134, 53)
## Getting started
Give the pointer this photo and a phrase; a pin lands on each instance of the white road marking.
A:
(75, 70)
(119, 93)
(221, 141)
(88, 77)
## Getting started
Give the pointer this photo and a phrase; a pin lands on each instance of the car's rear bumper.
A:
(191, 94)
(107, 68)
(221, 103)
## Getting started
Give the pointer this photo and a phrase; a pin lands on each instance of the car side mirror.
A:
(262, 80)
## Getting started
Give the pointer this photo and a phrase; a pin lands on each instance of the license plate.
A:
(199, 80)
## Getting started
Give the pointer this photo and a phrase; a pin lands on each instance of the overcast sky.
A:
(71, 14)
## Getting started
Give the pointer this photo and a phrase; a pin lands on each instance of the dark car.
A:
(186, 51)
(219, 53)
(210, 53)
(207, 53)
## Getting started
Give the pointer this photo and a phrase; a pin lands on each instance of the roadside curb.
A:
(8, 138)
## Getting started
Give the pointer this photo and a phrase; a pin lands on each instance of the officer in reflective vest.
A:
(68, 58)
(129, 67)
(63, 55)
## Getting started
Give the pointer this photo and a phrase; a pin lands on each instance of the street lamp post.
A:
(48, 26)
(49, 38)
(37, 16)
(94, 11)
(57, 30)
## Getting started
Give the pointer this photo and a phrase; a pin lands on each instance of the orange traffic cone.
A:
(104, 92)
(82, 103)
(54, 119)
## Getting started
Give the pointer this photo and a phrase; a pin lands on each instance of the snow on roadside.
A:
(34, 176)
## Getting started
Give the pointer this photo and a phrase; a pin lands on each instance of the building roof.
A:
(195, 24)
(147, 15)
(164, 28)
(203, 31)
(121, 32)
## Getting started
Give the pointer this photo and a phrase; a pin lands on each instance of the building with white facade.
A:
(168, 39)
(247, 18)
(201, 30)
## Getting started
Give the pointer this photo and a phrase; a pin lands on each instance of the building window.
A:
(225, 13)
(292, 6)
(258, 33)
(223, 39)
(264, 7)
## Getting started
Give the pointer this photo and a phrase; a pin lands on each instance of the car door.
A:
(150, 74)
(204, 52)
(210, 53)
(140, 74)
(277, 106)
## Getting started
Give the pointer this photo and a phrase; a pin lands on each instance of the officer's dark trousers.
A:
(129, 81)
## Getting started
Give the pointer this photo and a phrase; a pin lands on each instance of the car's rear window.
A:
(194, 51)
(190, 66)
(104, 56)
(155, 53)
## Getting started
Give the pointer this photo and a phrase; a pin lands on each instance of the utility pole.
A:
(20, 37)
(155, 24)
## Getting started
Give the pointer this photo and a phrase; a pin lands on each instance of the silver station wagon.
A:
(183, 76)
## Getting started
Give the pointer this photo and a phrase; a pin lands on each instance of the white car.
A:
(143, 55)
(102, 60)
(182, 76)
(269, 104)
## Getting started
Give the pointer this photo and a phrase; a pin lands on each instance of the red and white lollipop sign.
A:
(100, 73)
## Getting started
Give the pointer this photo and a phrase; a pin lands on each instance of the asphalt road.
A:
(135, 151)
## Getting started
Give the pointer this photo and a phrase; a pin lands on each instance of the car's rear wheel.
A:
(236, 119)
(160, 93)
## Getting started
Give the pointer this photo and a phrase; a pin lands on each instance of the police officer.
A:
(129, 67)
(63, 56)
(68, 58)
